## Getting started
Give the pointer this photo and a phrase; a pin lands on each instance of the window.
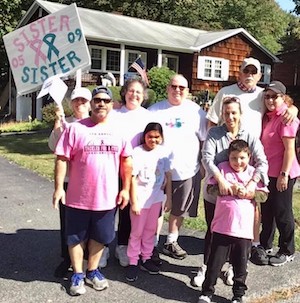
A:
(211, 68)
(131, 56)
(170, 61)
(112, 60)
(96, 57)
(266, 73)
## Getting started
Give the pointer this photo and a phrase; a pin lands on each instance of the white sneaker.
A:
(229, 276)
(204, 299)
(104, 257)
(199, 279)
(121, 255)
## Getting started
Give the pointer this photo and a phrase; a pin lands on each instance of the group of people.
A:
(141, 163)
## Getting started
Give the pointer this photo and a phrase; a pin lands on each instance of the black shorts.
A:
(82, 225)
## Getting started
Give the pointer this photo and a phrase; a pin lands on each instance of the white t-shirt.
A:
(150, 167)
(133, 123)
(184, 126)
(252, 105)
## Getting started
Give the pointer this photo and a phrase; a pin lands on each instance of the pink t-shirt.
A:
(271, 138)
(234, 216)
(94, 152)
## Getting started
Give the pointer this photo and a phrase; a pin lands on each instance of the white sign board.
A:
(55, 87)
(52, 45)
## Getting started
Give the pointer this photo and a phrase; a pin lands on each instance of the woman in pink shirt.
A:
(278, 140)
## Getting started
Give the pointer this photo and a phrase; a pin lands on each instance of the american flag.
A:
(139, 66)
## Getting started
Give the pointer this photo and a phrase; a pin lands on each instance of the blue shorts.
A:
(82, 225)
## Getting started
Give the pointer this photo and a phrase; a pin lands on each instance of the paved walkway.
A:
(29, 252)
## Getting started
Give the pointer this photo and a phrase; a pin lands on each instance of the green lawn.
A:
(31, 151)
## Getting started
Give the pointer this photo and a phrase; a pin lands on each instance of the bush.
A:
(48, 112)
(159, 79)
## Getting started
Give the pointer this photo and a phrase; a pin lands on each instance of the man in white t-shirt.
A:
(184, 127)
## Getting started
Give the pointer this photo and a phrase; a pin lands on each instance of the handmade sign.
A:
(52, 45)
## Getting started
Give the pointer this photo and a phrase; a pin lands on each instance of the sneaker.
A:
(104, 257)
(149, 266)
(62, 270)
(259, 255)
(155, 257)
(174, 250)
(199, 279)
(132, 273)
(237, 299)
(280, 259)
(228, 275)
(121, 255)
(269, 251)
(96, 279)
(260, 196)
(204, 299)
(77, 284)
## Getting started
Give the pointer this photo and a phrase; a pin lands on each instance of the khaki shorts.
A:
(185, 196)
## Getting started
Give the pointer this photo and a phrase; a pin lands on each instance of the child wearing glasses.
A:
(151, 171)
(232, 224)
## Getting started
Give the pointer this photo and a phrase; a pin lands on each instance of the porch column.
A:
(159, 58)
(122, 65)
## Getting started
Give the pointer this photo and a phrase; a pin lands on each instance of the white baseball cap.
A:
(81, 92)
(251, 61)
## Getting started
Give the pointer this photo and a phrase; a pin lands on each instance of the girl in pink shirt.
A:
(278, 140)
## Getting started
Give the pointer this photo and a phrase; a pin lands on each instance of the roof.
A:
(116, 28)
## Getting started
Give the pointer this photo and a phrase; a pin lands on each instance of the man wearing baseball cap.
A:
(80, 104)
(97, 154)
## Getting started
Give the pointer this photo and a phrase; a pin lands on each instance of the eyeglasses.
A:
(181, 88)
(273, 97)
(250, 71)
(99, 100)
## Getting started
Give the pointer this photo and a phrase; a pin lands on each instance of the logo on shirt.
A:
(102, 148)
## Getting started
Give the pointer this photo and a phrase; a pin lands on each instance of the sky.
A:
(287, 5)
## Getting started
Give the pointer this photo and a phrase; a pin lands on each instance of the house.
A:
(288, 72)
(208, 59)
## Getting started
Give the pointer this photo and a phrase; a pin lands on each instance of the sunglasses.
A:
(229, 99)
(273, 97)
(250, 71)
(181, 88)
(99, 100)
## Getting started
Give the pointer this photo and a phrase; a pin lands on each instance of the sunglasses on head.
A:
(181, 88)
(99, 100)
(228, 100)
(251, 71)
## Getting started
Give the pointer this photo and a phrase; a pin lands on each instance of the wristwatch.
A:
(283, 174)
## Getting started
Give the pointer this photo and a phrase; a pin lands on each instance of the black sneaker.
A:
(174, 250)
(132, 273)
(280, 259)
(149, 266)
(259, 256)
(237, 299)
(62, 270)
(155, 257)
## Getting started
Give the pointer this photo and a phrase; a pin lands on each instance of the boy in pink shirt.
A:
(232, 225)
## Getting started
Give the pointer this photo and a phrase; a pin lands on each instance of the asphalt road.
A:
(29, 253)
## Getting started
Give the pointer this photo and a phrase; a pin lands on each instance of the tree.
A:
(262, 19)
